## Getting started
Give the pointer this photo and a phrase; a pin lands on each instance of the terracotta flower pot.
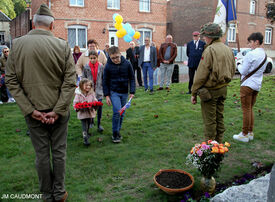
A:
(173, 191)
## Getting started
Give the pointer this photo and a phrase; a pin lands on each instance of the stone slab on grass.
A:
(254, 191)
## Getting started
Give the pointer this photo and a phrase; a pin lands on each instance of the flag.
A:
(225, 12)
(126, 106)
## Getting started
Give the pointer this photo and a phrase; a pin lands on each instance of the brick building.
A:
(185, 16)
(80, 20)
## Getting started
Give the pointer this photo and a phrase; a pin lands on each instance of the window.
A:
(268, 36)
(252, 7)
(76, 2)
(144, 33)
(144, 5)
(2, 37)
(77, 36)
(113, 40)
(231, 35)
(113, 4)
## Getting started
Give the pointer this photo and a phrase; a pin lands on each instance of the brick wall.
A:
(96, 17)
(249, 23)
(20, 25)
(187, 16)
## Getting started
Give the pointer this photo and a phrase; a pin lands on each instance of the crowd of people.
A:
(44, 88)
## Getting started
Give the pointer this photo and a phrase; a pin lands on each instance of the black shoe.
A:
(86, 141)
(89, 135)
(151, 92)
(28, 133)
(189, 92)
(115, 137)
(160, 88)
(118, 140)
(100, 129)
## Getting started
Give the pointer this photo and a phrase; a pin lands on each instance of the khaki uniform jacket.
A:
(84, 59)
(216, 68)
(40, 73)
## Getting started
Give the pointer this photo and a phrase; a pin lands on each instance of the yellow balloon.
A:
(121, 33)
(118, 26)
(136, 35)
(119, 19)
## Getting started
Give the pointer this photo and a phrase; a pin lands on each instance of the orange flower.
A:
(209, 141)
(216, 145)
(192, 150)
(221, 145)
(226, 144)
(215, 150)
(221, 151)
(203, 143)
(225, 149)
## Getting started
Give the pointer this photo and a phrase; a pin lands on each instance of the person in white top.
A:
(252, 85)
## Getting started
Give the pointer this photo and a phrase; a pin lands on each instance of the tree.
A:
(19, 6)
(270, 11)
(7, 7)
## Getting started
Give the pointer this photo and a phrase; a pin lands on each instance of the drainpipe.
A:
(50, 4)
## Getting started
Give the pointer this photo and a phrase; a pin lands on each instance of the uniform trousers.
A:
(212, 114)
(50, 140)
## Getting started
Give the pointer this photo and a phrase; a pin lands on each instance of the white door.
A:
(113, 40)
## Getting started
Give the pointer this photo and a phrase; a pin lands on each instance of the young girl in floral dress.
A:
(85, 93)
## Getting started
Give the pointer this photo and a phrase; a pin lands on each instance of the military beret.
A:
(211, 30)
(196, 33)
(44, 10)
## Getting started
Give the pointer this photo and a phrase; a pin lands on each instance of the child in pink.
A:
(85, 93)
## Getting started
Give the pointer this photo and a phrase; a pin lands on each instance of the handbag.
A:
(255, 70)
(204, 94)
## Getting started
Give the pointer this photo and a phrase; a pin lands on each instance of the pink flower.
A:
(199, 152)
(205, 146)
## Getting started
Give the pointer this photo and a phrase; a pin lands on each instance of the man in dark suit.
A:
(194, 53)
(132, 54)
(148, 62)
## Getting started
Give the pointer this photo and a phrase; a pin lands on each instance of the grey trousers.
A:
(166, 71)
(50, 140)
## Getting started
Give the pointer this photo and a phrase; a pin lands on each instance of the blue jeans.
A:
(118, 101)
(146, 67)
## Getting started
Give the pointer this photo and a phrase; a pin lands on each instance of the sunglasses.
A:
(6, 51)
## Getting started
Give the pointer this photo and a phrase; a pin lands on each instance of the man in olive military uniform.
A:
(41, 76)
(215, 71)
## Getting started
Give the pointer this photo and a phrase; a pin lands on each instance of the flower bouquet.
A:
(207, 157)
(87, 105)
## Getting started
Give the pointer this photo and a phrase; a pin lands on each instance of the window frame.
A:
(76, 3)
(268, 39)
(77, 27)
(142, 31)
(143, 2)
(113, 3)
(2, 35)
(231, 33)
(252, 8)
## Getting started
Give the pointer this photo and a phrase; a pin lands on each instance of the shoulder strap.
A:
(255, 70)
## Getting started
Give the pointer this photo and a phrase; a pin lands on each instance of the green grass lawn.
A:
(124, 172)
